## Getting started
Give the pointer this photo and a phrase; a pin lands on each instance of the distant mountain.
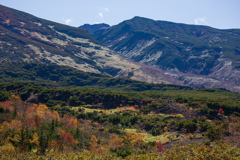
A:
(30, 39)
(93, 28)
(199, 56)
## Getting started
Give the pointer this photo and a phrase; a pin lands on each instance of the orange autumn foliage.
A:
(115, 142)
(133, 140)
(94, 144)
(70, 122)
(165, 129)
(7, 105)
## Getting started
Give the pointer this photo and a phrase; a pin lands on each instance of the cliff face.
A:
(199, 56)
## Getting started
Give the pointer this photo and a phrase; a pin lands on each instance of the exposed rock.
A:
(48, 42)
(199, 56)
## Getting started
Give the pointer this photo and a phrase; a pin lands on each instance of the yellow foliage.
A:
(35, 139)
(133, 140)
(16, 125)
(55, 115)
(53, 145)
(5, 126)
(58, 106)
(15, 98)
(105, 112)
(191, 151)
(165, 129)
(165, 140)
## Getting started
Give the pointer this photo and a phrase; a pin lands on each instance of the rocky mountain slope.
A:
(31, 39)
(199, 56)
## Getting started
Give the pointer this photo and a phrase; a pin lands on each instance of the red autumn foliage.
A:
(132, 107)
(8, 118)
(38, 120)
(160, 147)
(67, 138)
(221, 111)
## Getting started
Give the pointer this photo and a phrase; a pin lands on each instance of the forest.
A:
(47, 122)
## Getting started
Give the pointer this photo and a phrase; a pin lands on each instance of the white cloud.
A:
(100, 14)
(67, 21)
(106, 9)
(102, 11)
(201, 21)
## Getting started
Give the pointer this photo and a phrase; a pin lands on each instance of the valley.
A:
(142, 89)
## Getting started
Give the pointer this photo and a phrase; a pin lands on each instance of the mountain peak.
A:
(25, 37)
(92, 28)
(199, 56)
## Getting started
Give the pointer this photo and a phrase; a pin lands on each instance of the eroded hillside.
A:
(31, 39)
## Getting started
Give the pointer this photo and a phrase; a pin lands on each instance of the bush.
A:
(237, 114)
(156, 105)
(179, 124)
(52, 103)
(156, 131)
(145, 110)
(82, 116)
(190, 126)
(181, 100)
(214, 133)
(114, 129)
(204, 126)
(133, 120)
(148, 125)
(4, 96)
(124, 153)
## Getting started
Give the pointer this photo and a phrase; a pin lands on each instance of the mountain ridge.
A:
(94, 27)
(199, 56)
(27, 38)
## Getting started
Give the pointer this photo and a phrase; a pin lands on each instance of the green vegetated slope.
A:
(181, 50)
(57, 75)
(90, 123)
(62, 76)
(62, 109)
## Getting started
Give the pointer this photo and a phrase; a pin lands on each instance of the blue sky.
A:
(222, 14)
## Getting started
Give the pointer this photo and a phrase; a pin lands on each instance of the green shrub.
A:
(4, 96)
(145, 110)
(204, 126)
(214, 133)
(179, 124)
(190, 126)
(124, 153)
